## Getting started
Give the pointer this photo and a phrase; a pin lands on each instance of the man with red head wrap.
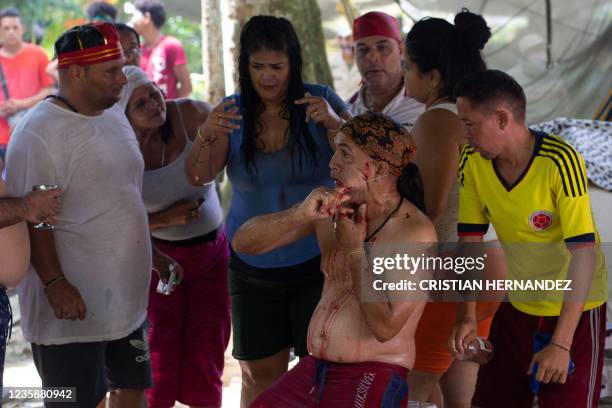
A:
(379, 54)
(83, 302)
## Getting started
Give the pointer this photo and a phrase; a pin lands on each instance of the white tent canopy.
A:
(558, 50)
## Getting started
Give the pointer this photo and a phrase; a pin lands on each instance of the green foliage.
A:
(190, 35)
(51, 14)
(188, 32)
(197, 83)
(54, 15)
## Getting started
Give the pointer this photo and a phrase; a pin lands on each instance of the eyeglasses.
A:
(132, 52)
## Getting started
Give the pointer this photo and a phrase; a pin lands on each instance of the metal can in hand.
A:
(165, 288)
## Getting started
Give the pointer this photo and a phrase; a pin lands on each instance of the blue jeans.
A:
(6, 322)
(3, 160)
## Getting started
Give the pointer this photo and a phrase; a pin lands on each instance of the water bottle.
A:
(479, 350)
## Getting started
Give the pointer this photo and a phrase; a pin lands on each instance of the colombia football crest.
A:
(540, 220)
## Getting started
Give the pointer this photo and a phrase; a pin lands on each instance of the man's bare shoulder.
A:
(413, 225)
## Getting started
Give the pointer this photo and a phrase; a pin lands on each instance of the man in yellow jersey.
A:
(533, 188)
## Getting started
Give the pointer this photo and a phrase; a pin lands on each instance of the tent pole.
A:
(404, 11)
(548, 34)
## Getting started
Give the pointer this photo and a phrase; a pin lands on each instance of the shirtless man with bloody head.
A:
(361, 341)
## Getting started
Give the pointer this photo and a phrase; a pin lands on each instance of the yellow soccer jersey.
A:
(545, 208)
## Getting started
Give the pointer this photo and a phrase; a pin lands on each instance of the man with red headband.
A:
(83, 302)
(361, 335)
(379, 54)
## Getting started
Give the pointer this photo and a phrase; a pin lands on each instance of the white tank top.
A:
(164, 186)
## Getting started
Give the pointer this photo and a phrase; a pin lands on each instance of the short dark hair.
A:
(155, 8)
(71, 40)
(453, 50)
(125, 27)
(101, 10)
(9, 12)
(491, 87)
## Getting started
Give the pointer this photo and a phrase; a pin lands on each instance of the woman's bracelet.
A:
(199, 135)
(560, 346)
(53, 282)
(204, 140)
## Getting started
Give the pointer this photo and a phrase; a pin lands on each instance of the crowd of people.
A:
(130, 278)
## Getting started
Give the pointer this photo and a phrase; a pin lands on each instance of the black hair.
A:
(155, 8)
(85, 35)
(9, 12)
(453, 50)
(277, 34)
(487, 89)
(410, 186)
(101, 10)
(125, 27)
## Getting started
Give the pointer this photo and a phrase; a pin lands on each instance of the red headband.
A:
(376, 23)
(109, 51)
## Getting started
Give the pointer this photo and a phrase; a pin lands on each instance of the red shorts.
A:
(321, 384)
(190, 328)
(504, 383)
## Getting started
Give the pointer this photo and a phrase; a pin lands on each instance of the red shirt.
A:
(159, 62)
(25, 76)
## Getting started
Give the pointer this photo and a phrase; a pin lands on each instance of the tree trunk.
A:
(306, 19)
(212, 51)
